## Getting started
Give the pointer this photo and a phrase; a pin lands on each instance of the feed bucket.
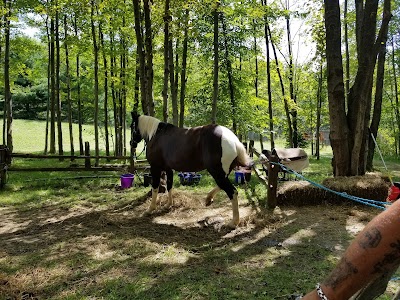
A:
(127, 180)
(239, 177)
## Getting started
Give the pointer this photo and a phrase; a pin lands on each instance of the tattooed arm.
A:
(374, 251)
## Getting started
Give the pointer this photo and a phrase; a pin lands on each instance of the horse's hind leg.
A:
(224, 183)
(211, 195)
(170, 181)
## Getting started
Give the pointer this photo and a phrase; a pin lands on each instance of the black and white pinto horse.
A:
(211, 147)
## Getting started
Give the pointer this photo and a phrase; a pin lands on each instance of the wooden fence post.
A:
(87, 154)
(3, 165)
(272, 182)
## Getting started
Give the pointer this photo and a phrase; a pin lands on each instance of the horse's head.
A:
(136, 137)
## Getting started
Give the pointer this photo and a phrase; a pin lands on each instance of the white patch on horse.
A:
(148, 126)
(229, 152)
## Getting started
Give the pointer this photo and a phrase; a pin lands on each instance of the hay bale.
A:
(370, 186)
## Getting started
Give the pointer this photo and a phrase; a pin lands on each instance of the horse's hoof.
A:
(232, 224)
(209, 201)
(148, 212)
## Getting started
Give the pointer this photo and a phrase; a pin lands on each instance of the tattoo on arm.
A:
(390, 258)
(370, 239)
(343, 271)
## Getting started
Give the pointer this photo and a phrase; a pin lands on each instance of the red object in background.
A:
(394, 192)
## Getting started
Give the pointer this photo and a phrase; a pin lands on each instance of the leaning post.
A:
(87, 155)
(272, 182)
(3, 165)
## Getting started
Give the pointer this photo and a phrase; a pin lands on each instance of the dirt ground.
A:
(34, 241)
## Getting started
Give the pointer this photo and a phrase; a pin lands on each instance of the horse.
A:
(169, 148)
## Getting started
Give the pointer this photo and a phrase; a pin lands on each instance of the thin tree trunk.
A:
(78, 95)
(167, 19)
(339, 131)
(347, 53)
(286, 105)
(46, 139)
(294, 141)
(114, 94)
(173, 84)
(216, 66)
(319, 106)
(270, 111)
(68, 81)
(96, 83)
(53, 90)
(149, 56)
(142, 58)
(57, 87)
(183, 70)
(7, 88)
(230, 76)
(380, 73)
(105, 64)
(396, 97)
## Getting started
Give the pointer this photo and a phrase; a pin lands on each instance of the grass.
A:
(67, 238)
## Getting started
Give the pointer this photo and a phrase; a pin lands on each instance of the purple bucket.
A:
(239, 177)
(127, 180)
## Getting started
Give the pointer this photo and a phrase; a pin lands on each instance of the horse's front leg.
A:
(155, 174)
(170, 181)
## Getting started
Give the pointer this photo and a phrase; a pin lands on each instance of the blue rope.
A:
(373, 203)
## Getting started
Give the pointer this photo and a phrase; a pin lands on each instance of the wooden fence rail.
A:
(6, 157)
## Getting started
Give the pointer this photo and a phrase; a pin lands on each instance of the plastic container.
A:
(127, 180)
(239, 177)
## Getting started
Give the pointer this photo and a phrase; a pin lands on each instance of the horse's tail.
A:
(243, 159)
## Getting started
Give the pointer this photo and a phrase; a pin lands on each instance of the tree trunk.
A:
(114, 93)
(230, 76)
(96, 83)
(319, 106)
(293, 111)
(142, 58)
(48, 88)
(68, 82)
(183, 70)
(149, 56)
(167, 19)
(7, 89)
(376, 118)
(57, 87)
(105, 64)
(216, 66)
(339, 131)
(270, 111)
(53, 90)
(287, 112)
(173, 84)
(396, 97)
(78, 95)
(347, 53)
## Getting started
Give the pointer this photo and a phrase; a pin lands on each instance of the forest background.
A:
(192, 63)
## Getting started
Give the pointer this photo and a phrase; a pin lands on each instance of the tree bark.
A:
(57, 87)
(376, 118)
(96, 83)
(7, 89)
(167, 19)
(216, 66)
(68, 83)
(149, 56)
(183, 70)
(230, 76)
(287, 112)
(339, 131)
(53, 90)
(78, 93)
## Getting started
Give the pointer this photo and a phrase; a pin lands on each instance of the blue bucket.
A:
(127, 180)
(239, 177)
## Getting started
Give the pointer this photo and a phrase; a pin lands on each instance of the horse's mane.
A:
(148, 126)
